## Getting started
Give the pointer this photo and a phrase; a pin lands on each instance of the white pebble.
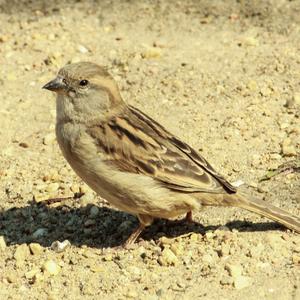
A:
(51, 267)
(234, 270)
(82, 49)
(288, 149)
(49, 139)
(238, 183)
(168, 258)
(40, 232)
(2, 243)
(94, 211)
(242, 282)
(296, 98)
(52, 187)
(58, 246)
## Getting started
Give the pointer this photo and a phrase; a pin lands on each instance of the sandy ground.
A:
(222, 75)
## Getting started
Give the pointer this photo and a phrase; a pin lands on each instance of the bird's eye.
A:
(83, 82)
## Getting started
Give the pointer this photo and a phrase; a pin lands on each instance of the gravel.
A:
(222, 75)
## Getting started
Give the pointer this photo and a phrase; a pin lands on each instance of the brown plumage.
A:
(131, 160)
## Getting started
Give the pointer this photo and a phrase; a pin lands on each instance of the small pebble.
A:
(108, 257)
(2, 243)
(131, 293)
(94, 211)
(75, 188)
(11, 76)
(234, 270)
(151, 52)
(36, 248)
(266, 91)
(226, 280)
(160, 44)
(58, 246)
(125, 225)
(250, 41)
(275, 156)
(40, 197)
(49, 139)
(21, 253)
(242, 282)
(238, 183)
(97, 269)
(87, 198)
(51, 267)
(23, 145)
(89, 223)
(84, 189)
(274, 240)
(11, 277)
(207, 258)
(52, 187)
(168, 258)
(166, 241)
(87, 231)
(257, 251)
(82, 49)
(30, 274)
(177, 249)
(296, 259)
(135, 273)
(39, 233)
(284, 126)
(296, 98)
(288, 149)
(209, 235)
(194, 237)
(290, 103)
(252, 85)
(223, 229)
(225, 249)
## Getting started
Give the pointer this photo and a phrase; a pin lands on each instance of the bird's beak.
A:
(55, 85)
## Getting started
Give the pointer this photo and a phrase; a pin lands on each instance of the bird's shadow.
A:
(98, 226)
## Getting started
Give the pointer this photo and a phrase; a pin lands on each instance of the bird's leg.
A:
(134, 235)
(189, 217)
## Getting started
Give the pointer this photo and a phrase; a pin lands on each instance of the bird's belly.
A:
(130, 192)
(135, 193)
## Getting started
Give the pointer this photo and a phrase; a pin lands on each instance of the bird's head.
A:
(85, 87)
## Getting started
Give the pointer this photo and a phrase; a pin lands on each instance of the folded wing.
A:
(135, 143)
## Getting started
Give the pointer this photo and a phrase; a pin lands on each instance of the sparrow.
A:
(134, 162)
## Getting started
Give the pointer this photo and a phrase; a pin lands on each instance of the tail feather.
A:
(260, 207)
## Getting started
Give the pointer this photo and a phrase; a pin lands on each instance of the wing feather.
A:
(135, 143)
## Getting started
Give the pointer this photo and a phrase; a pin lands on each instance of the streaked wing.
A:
(135, 143)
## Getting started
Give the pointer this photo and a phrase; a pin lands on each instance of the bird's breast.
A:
(86, 159)
(131, 192)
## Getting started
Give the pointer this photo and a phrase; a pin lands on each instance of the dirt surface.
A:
(222, 75)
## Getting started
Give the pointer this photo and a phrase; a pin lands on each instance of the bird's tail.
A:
(257, 206)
